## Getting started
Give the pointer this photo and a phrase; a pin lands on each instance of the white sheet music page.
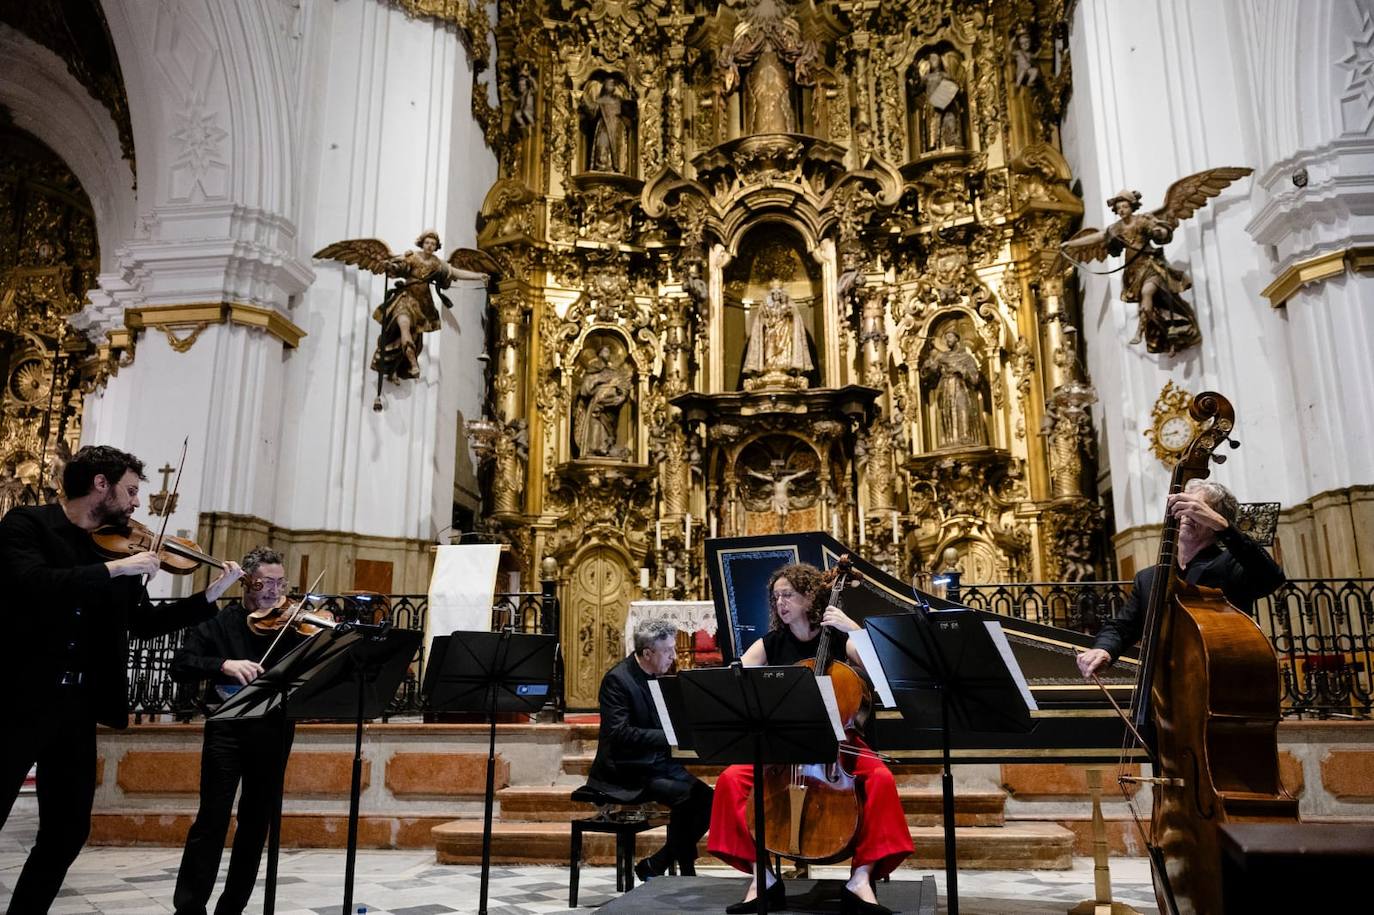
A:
(656, 690)
(999, 638)
(832, 705)
(863, 643)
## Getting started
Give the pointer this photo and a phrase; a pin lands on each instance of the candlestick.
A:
(896, 515)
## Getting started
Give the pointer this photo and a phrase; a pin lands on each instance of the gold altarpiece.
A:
(780, 266)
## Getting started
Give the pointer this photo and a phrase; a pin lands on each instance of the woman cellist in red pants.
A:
(883, 839)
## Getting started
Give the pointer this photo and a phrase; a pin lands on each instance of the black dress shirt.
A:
(225, 637)
(1237, 565)
(69, 619)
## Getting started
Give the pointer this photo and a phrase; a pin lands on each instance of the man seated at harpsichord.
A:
(633, 761)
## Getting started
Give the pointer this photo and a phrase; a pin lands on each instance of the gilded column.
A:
(509, 391)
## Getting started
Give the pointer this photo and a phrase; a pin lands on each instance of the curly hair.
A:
(804, 579)
(78, 477)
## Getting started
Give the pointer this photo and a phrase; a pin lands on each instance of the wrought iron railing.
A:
(152, 691)
(1322, 630)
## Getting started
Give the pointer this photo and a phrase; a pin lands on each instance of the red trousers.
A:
(884, 839)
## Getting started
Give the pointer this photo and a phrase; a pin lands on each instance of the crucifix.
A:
(159, 503)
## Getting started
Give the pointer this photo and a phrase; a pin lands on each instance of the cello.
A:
(1205, 707)
(811, 812)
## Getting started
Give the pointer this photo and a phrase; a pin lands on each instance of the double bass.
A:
(1206, 707)
(811, 812)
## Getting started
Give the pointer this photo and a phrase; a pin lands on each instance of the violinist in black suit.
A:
(633, 761)
(72, 611)
(1211, 553)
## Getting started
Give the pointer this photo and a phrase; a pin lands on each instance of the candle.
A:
(862, 538)
(687, 531)
(670, 577)
(896, 515)
(658, 535)
(644, 578)
(713, 527)
(515, 582)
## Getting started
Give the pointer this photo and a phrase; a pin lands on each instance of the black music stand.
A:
(489, 672)
(348, 673)
(957, 655)
(758, 715)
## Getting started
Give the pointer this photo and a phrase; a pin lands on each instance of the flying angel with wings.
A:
(407, 312)
(1167, 321)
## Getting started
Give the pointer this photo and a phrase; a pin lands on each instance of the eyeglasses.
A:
(258, 584)
(783, 595)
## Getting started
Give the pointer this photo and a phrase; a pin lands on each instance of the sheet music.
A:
(999, 638)
(656, 690)
(832, 705)
(863, 643)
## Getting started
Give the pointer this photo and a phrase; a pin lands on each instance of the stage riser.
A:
(1038, 847)
(417, 776)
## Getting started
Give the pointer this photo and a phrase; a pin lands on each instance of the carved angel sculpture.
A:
(1167, 322)
(407, 312)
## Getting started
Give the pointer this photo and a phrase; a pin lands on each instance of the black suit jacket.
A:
(1237, 565)
(632, 748)
(67, 614)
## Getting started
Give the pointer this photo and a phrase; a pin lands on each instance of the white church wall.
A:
(1163, 89)
(393, 151)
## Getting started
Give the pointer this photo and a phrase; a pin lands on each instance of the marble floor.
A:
(140, 880)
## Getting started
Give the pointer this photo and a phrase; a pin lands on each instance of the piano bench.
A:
(623, 819)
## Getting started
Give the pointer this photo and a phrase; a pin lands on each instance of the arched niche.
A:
(604, 417)
(608, 135)
(772, 258)
(782, 485)
(955, 397)
(937, 101)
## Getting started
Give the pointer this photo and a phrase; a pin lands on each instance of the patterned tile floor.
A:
(140, 880)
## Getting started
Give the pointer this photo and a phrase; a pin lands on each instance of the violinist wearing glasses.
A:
(797, 618)
(73, 612)
(229, 651)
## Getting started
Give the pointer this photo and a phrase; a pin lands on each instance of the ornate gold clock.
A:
(1171, 428)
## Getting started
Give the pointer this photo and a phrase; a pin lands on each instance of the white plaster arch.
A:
(48, 102)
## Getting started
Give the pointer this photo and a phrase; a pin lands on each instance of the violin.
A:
(289, 614)
(178, 555)
(811, 812)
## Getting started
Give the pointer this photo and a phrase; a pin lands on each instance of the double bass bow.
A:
(1205, 708)
(811, 812)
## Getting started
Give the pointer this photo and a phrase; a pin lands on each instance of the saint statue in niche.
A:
(770, 96)
(600, 396)
(778, 350)
(610, 112)
(958, 406)
(766, 43)
(943, 100)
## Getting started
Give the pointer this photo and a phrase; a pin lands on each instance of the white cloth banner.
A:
(461, 589)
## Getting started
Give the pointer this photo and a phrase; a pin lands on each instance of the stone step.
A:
(905, 773)
(923, 805)
(1015, 846)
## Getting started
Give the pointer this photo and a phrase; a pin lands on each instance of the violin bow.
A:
(171, 498)
(295, 613)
